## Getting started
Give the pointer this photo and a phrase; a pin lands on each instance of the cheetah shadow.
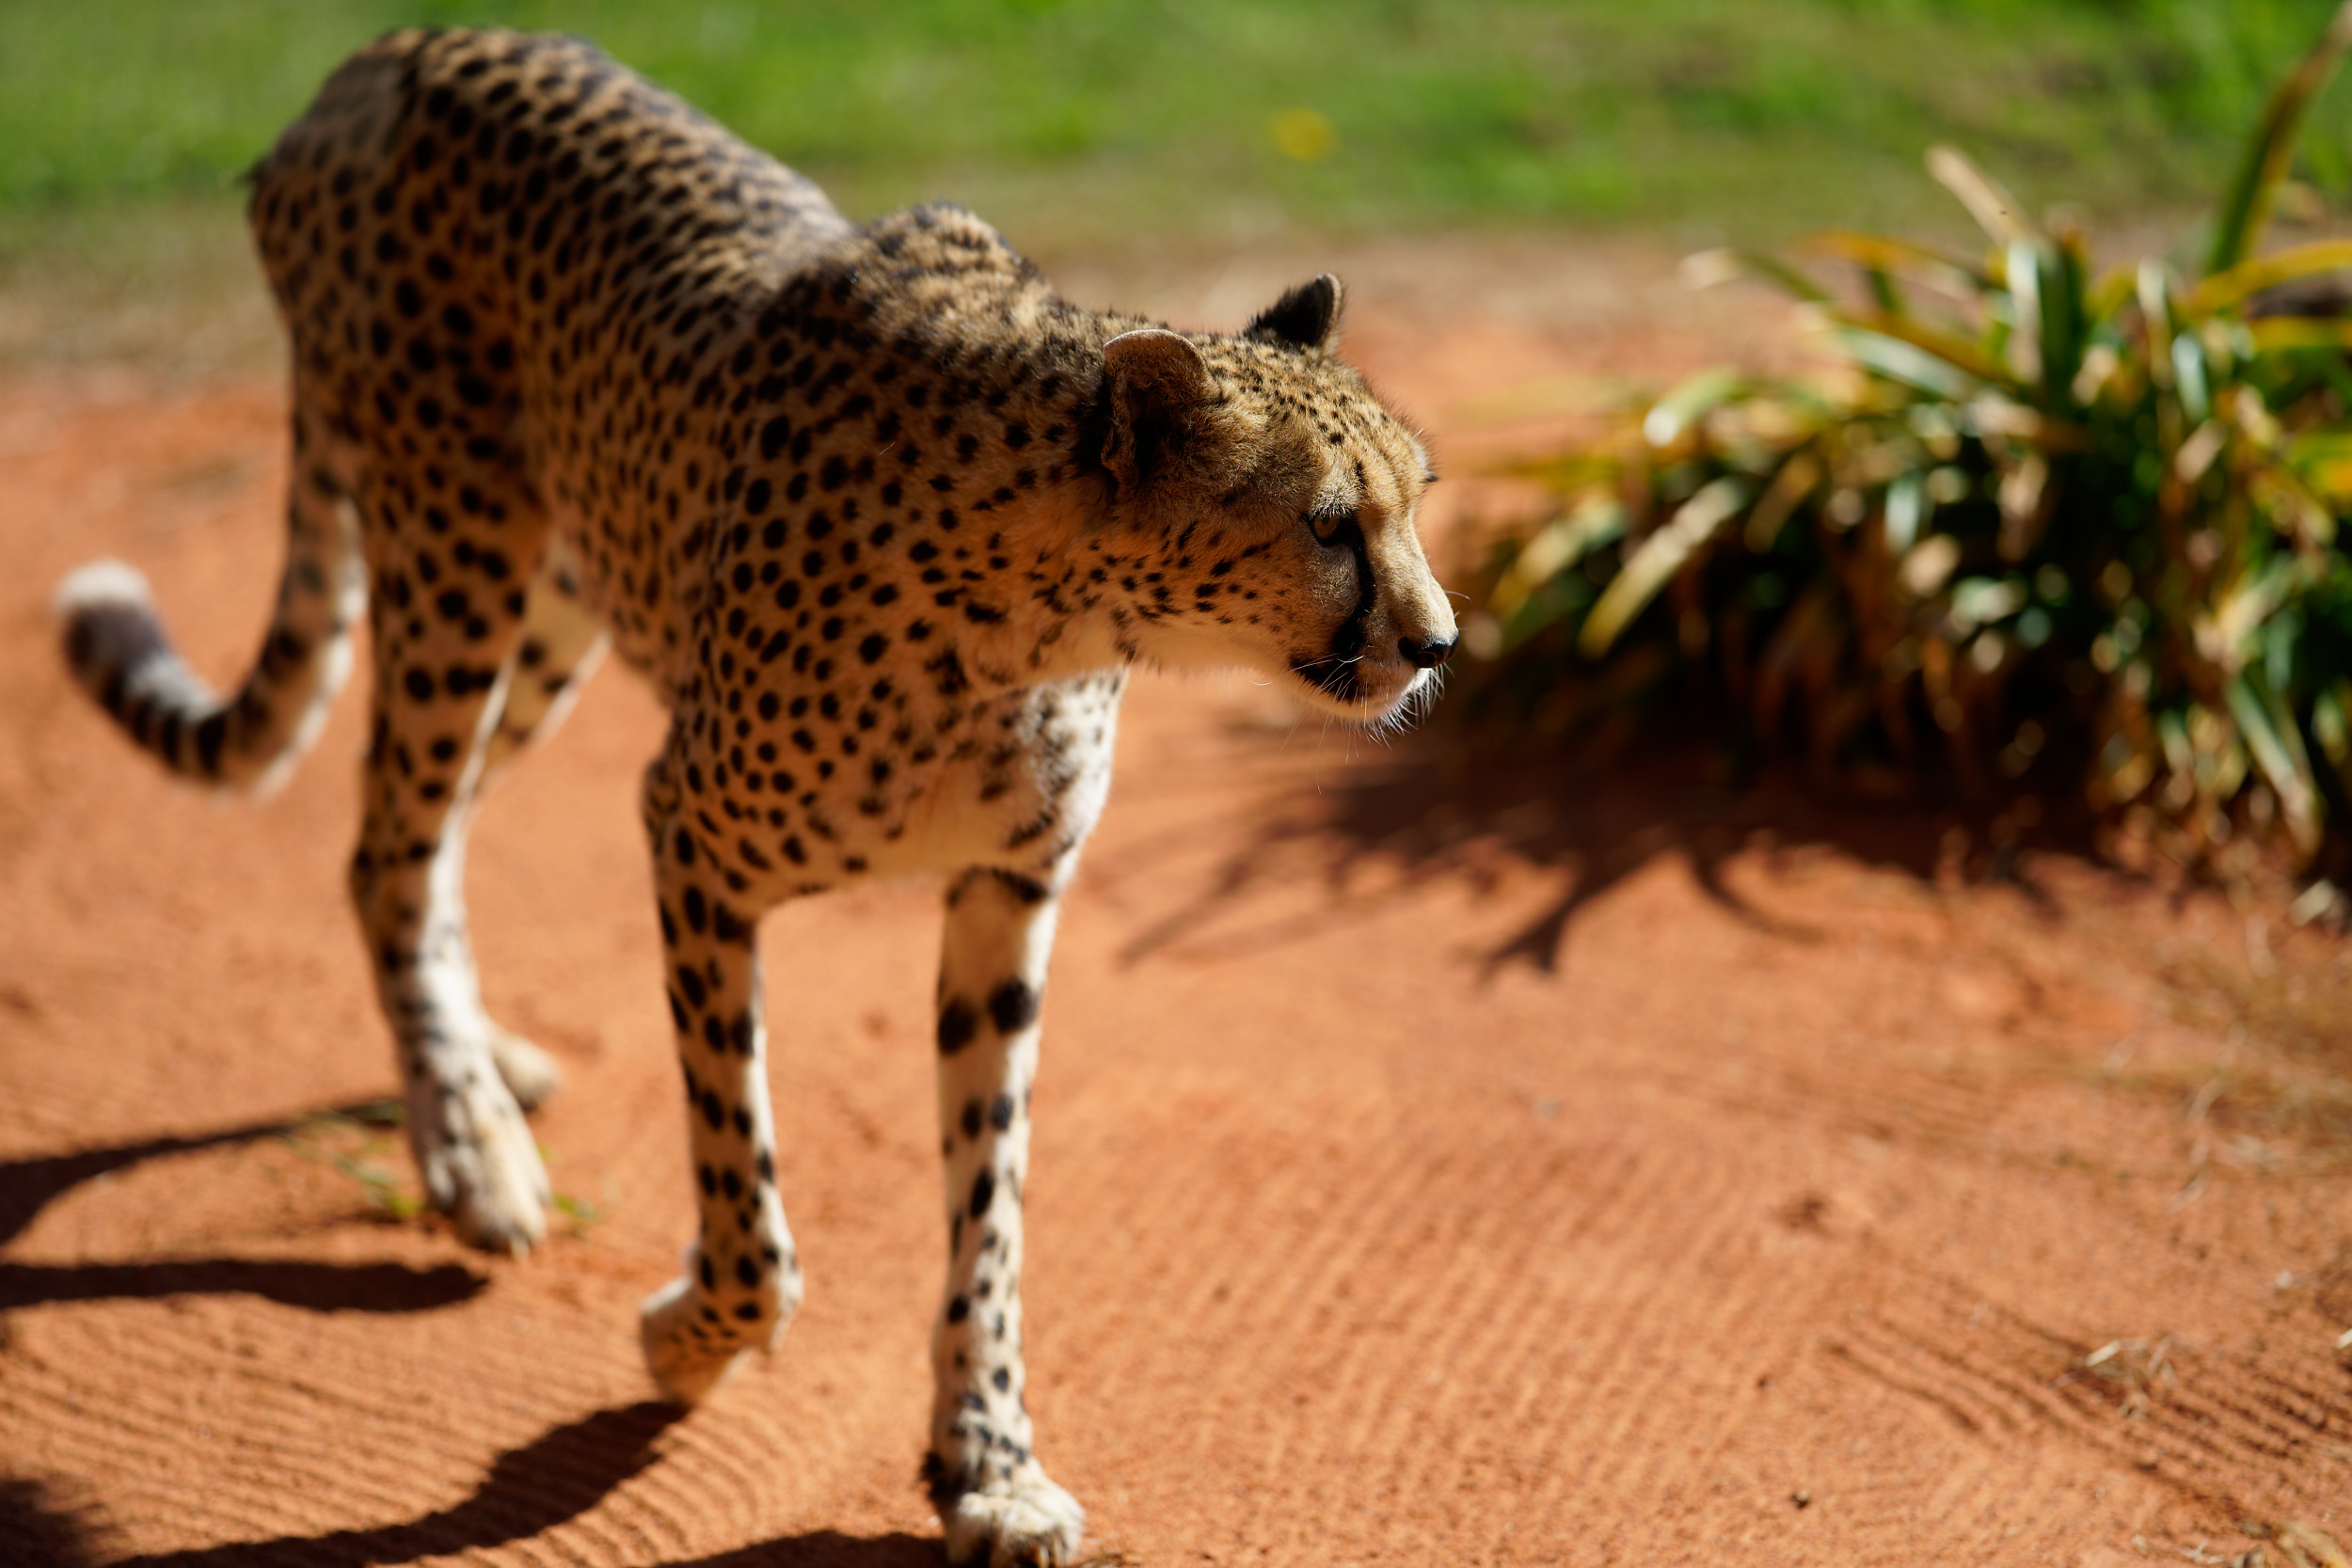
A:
(1436, 813)
(28, 1186)
(529, 1490)
(533, 1489)
(37, 1532)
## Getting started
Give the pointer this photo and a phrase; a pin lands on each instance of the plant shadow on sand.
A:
(1434, 813)
(546, 1482)
(29, 1185)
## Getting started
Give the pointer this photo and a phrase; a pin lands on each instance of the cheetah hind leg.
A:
(562, 642)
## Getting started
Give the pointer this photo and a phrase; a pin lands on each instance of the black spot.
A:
(1013, 1006)
(983, 1192)
(725, 926)
(958, 1022)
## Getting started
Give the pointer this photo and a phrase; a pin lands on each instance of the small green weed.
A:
(356, 1143)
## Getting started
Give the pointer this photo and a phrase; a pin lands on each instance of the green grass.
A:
(1069, 121)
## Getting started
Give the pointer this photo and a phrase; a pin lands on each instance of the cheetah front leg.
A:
(742, 1280)
(994, 1500)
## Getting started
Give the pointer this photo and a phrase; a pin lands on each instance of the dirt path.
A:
(1424, 1174)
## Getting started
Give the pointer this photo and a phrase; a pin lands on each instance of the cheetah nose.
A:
(1427, 653)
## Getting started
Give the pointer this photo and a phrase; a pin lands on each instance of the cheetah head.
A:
(1268, 497)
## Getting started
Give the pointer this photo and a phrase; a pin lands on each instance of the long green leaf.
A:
(1658, 558)
(2246, 211)
(2022, 265)
(1690, 403)
(1899, 360)
(2278, 752)
(2063, 328)
(1950, 348)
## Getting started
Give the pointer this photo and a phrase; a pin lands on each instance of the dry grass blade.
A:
(1996, 212)
(2249, 278)
(2308, 1547)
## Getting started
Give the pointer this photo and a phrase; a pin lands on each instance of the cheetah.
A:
(883, 519)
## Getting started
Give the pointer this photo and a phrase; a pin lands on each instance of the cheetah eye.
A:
(1333, 526)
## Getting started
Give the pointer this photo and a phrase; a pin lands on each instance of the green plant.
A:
(355, 1144)
(2036, 519)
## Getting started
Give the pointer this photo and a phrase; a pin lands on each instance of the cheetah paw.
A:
(529, 1072)
(1034, 1525)
(479, 1163)
(683, 1361)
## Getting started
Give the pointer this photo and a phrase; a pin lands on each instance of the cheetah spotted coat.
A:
(883, 519)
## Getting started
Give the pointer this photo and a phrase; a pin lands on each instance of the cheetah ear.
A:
(1155, 385)
(1307, 317)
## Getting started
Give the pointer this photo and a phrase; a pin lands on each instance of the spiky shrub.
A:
(2033, 519)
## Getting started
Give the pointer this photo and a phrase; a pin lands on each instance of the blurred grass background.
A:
(1097, 120)
(1193, 126)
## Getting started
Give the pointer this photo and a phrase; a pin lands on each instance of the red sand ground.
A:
(1543, 1173)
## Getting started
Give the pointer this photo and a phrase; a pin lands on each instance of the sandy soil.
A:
(1517, 1170)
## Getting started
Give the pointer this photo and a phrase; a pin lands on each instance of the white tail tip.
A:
(98, 585)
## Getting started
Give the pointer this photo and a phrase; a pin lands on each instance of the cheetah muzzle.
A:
(884, 520)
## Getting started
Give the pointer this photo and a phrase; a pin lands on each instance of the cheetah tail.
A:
(250, 740)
